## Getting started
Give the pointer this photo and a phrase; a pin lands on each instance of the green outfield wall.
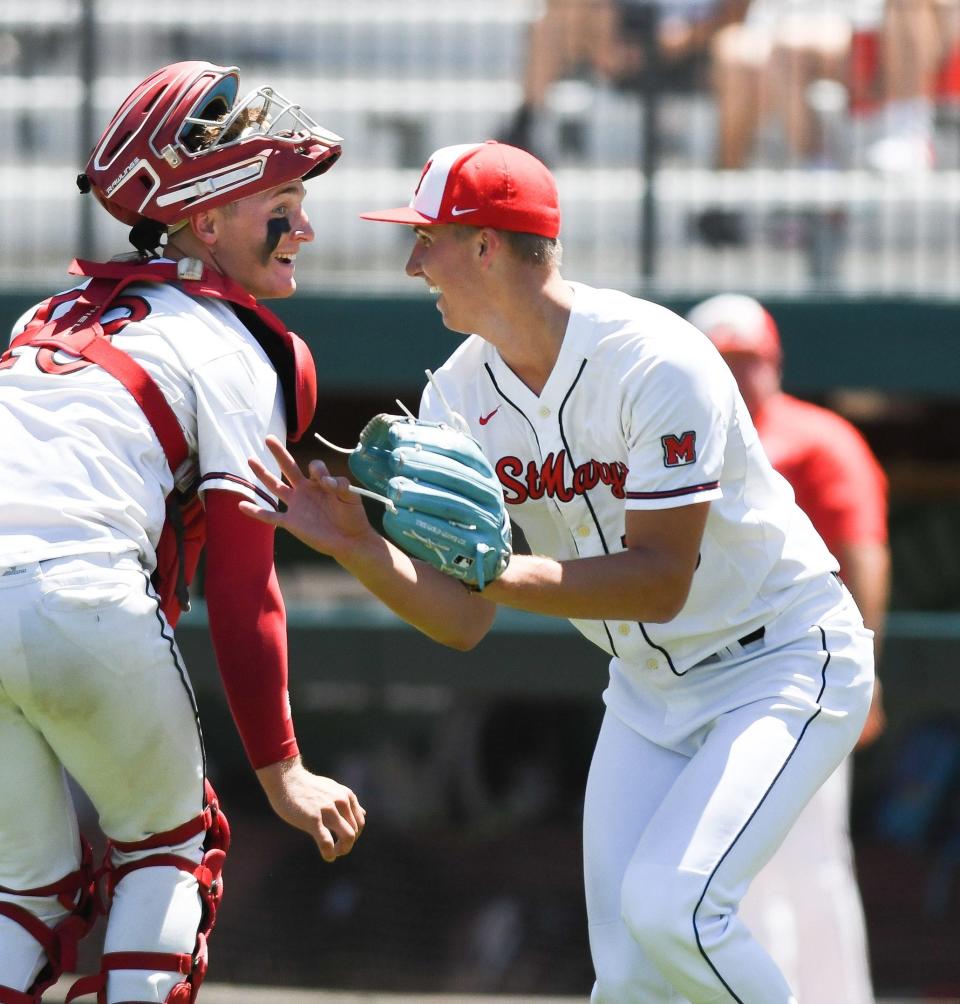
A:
(377, 343)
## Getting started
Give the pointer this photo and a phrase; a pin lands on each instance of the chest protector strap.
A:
(78, 331)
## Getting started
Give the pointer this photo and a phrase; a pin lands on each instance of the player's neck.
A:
(529, 331)
(184, 245)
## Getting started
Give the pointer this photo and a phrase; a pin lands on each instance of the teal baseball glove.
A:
(444, 502)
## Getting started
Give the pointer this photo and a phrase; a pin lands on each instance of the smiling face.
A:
(446, 257)
(255, 240)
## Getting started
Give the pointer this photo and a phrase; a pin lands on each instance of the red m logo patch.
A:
(678, 451)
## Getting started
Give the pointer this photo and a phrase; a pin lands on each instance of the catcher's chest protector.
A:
(79, 332)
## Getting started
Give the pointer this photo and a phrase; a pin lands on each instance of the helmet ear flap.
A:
(146, 234)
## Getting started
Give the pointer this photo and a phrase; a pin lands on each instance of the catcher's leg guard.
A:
(193, 967)
(76, 893)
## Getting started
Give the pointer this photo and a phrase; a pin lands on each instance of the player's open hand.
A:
(320, 509)
(320, 806)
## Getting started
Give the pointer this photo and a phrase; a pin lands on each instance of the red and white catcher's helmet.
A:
(182, 142)
(738, 323)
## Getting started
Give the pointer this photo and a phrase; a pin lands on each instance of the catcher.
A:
(740, 672)
(128, 406)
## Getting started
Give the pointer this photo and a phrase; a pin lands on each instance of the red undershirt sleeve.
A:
(248, 626)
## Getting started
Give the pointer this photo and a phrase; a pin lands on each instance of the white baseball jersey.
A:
(640, 412)
(76, 480)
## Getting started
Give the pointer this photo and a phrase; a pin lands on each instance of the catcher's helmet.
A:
(182, 141)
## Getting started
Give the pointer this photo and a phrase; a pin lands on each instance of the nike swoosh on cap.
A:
(456, 211)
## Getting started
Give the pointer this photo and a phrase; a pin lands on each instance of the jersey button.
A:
(544, 411)
(624, 629)
(583, 531)
(652, 663)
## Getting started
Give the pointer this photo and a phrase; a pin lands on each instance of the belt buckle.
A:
(734, 649)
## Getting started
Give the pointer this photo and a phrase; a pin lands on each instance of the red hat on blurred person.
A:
(738, 323)
(482, 185)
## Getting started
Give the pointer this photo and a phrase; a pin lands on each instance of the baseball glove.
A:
(444, 501)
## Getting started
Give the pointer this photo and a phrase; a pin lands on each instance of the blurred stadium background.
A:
(471, 766)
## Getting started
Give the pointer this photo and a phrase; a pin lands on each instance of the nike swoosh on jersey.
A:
(456, 211)
(486, 418)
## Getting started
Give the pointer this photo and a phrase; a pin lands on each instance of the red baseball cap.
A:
(737, 323)
(482, 185)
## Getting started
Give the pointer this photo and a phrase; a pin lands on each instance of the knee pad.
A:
(76, 893)
(208, 873)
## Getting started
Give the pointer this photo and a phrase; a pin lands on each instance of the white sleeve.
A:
(676, 413)
(239, 403)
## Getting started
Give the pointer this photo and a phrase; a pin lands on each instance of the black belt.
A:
(747, 639)
(753, 636)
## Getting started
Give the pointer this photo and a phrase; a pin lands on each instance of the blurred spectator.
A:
(898, 56)
(610, 38)
(917, 49)
(764, 69)
(804, 906)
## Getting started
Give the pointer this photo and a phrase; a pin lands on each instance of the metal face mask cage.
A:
(262, 112)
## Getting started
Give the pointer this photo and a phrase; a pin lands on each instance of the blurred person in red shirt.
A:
(804, 906)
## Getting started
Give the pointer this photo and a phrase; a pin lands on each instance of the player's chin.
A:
(449, 318)
(453, 324)
(278, 287)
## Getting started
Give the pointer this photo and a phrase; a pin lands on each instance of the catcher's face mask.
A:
(182, 142)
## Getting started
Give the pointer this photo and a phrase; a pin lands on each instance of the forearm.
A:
(635, 585)
(251, 650)
(430, 601)
(866, 572)
(248, 629)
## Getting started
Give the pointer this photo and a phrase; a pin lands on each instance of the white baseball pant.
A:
(674, 836)
(804, 907)
(91, 681)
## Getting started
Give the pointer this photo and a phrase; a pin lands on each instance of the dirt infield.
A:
(225, 993)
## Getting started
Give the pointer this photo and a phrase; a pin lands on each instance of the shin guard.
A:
(192, 967)
(76, 893)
